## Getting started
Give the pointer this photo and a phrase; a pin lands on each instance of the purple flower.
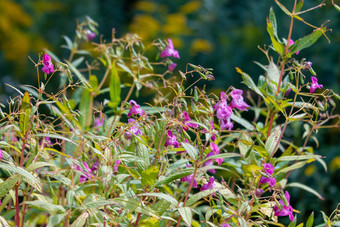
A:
(170, 51)
(270, 180)
(133, 129)
(288, 91)
(286, 209)
(268, 168)
(98, 122)
(90, 35)
(48, 67)
(315, 85)
(135, 109)
(87, 173)
(172, 67)
(214, 151)
(308, 65)
(237, 101)
(291, 42)
(225, 225)
(209, 185)
(226, 124)
(190, 178)
(223, 111)
(188, 124)
(171, 140)
(1, 154)
(117, 163)
(259, 192)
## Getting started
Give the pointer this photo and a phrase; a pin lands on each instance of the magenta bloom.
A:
(223, 111)
(172, 67)
(90, 35)
(98, 122)
(171, 140)
(225, 225)
(270, 180)
(189, 178)
(268, 168)
(1, 154)
(87, 173)
(237, 101)
(133, 130)
(308, 65)
(315, 84)
(186, 123)
(135, 109)
(291, 42)
(209, 185)
(48, 67)
(170, 51)
(285, 210)
(214, 151)
(226, 124)
(117, 163)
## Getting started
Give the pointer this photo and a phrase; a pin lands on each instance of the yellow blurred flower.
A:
(191, 7)
(310, 170)
(176, 24)
(335, 163)
(146, 6)
(201, 45)
(145, 26)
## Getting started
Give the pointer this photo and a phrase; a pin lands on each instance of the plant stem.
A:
(17, 209)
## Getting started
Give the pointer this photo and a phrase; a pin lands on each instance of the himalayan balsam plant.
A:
(91, 154)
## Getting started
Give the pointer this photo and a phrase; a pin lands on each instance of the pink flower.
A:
(186, 123)
(117, 163)
(47, 64)
(90, 35)
(308, 65)
(315, 84)
(190, 178)
(98, 122)
(171, 140)
(135, 109)
(209, 185)
(286, 210)
(270, 180)
(237, 101)
(226, 124)
(133, 129)
(87, 173)
(225, 225)
(268, 168)
(214, 151)
(223, 111)
(172, 67)
(1, 154)
(170, 51)
(291, 42)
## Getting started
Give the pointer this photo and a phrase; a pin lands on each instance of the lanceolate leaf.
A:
(192, 151)
(306, 41)
(132, 204)
(278, 47)
(49, 207)
(305, 187)
(85, 108)
(25, 111)
(8, 184)
(114, 87)
(272, 141)
(186, 214)
(200, 195)
(81, 220)
(174, 176)
(247, 80)
(273, 74)
(168, 198)
(272, 20)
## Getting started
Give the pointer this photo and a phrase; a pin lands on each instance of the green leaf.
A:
(299, 6)
(25, 111)
(297, 165)
(283, 8)
(310, 220)
(337, 7)
(8, 184)
(306, 41)
(49, 207)
(3, 222)
(27, 177)
(192, 151)
(272, 20)
(272, 141)
(143, 153)
(300, 157)
(149, 176)
(168, 198)
(278, 47)
(244, 143)
(161, 206)
(186, 214)
(224, 155)
(114, 87)
(132, 204)
(326, 219)
(81, 220)
(247, 80)
(306, 188)
(68, 42)
(194, 198)
(273, 74)
(174, 176)
(246, 124)
(37, 165)
(54, 220)
(93, 81)
(85, 108)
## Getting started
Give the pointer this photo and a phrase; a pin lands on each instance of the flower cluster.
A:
(214, 151)
(48, 67)
(268, 170)
(170, 52)
(284, 208)
(315, 84)
(190, 178)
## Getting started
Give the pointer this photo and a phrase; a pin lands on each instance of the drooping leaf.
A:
(81, 220)
(174, 176)
(273, 139)
(46, 206)
(186, 214)
(297, 165)
(78, 74)
(246, 124)
(25, 111)
(8, 184)
(194, 198)
(114, 87)
(149, 176)
(160, 195)
(247, 80)
(305, 187)
(244, 143)
(273, 74)
(299, 157)
(192, 151)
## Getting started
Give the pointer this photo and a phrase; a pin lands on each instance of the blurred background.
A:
(219, 34)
